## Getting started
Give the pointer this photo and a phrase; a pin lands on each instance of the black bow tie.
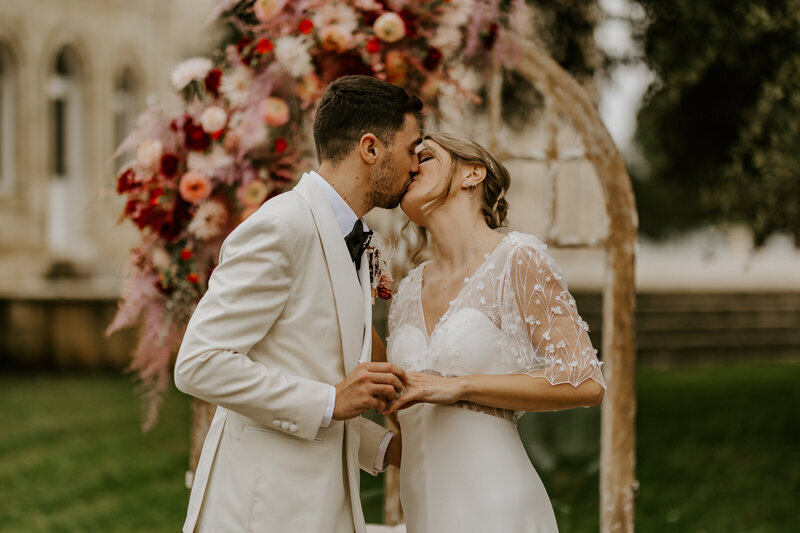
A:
(357, 241)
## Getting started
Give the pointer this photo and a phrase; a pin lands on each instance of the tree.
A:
(720, 126)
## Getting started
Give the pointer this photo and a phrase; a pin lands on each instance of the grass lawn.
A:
(717, 452)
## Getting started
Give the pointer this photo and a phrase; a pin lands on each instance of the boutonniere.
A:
(380, 275)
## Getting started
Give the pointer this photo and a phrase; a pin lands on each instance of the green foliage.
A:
(720, 127)
(715, 449)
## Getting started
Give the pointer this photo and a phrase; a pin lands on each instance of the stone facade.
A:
(84, 68)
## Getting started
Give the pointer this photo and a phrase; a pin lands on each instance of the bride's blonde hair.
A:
(492, 190)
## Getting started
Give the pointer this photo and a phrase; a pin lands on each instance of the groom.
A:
(281, 342)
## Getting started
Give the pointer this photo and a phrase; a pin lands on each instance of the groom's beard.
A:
(388, 187)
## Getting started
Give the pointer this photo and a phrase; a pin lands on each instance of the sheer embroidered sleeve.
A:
(552, 339)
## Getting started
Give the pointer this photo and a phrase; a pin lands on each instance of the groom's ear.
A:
(369, 148)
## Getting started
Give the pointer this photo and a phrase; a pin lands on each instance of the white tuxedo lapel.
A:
(345, 283)
(366, 289)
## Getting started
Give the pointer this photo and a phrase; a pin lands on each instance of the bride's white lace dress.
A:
(464, 467)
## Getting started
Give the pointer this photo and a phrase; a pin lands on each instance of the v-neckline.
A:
(429, 335)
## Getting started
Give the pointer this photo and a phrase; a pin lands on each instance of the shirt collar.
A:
(345, 216)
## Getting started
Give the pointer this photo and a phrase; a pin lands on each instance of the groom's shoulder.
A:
(285, 213)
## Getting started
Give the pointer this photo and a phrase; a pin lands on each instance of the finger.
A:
(385, 367)
(387, 378)
(383, 391)
(375, 403)
(401, 401)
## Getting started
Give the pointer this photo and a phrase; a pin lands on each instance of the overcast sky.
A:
(621, 95)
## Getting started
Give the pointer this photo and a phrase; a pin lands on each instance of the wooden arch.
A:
(617, 455)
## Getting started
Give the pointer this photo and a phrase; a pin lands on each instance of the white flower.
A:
(236, 86)
(148, 155)
(213, 119)
(557, 310)
(206, 163)
(459, 13)
(195, 68)
(209, 220)
(447, 39)
(546, 335)
(389, 27)
(336, 14)
(292, 53)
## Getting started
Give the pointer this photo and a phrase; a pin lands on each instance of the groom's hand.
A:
(368, 386)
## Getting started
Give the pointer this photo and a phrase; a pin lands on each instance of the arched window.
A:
(8, 107)
(125, 105)
(64, 90)
(66, 213)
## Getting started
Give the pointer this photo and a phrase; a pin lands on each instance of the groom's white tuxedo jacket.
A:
(285, 316)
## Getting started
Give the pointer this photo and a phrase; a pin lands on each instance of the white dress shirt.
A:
(346, 218)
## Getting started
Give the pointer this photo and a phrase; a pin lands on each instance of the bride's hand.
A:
(427, 388)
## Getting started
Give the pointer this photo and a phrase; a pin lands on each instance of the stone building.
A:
(73, 77)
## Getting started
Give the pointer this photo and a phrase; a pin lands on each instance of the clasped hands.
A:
(388, 388)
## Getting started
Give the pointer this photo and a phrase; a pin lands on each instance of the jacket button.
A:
(285, 426)
(293, 428)
(276, 424)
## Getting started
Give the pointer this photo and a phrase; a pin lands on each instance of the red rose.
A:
(192, 277)
(264, 46)
(212, 81)
(126, 182)
(384, 293)
(305, 26)
(196, 137)
(280, 145)
(433, 59)
(169, 165)
(373, 45)
(186, 254)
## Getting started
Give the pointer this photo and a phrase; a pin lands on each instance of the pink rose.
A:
(389, 27)
(275, 111)
(194, 187)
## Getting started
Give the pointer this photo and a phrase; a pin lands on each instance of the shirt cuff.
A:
(326, 420)
(380, 460)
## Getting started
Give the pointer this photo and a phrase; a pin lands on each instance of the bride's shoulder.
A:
(528, 251)
(525, 244)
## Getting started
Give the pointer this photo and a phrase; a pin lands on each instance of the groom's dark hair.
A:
(355, 105)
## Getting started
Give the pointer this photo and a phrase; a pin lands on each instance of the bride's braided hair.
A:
(494, 205)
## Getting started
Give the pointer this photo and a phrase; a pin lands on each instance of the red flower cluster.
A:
(196, 137)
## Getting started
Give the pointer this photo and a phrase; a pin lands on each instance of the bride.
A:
(486, 331)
